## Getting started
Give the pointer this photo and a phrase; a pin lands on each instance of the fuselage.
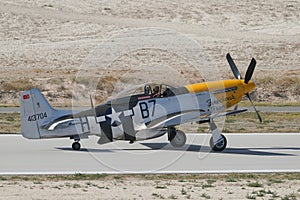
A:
(228, 92)
(143, 115)
(135, 117)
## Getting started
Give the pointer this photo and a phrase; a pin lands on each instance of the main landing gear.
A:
(76, 145)
(218, 141)
(177, 138)
(220, 145)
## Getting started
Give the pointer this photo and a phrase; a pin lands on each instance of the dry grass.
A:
(284, 90)
(210, 178)
(16, 86)
(248, 123)
(273, 122)
(9, 123)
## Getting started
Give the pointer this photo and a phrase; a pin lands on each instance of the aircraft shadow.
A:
(85, 150)
(240, 151)
(192, 148)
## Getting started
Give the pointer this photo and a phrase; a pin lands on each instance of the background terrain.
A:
(44, 43)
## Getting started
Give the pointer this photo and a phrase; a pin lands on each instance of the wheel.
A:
(220, 146)
(179, 139)
(76, 146)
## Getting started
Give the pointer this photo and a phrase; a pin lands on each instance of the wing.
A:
(190, 116)
(177, 118)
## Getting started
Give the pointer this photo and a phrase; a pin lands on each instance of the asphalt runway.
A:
(245, 153)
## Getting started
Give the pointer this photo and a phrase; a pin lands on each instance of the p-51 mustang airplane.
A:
(142, 116)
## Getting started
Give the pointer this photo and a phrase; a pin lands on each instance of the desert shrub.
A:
(19, 85)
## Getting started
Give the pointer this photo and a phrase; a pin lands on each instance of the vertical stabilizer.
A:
(35, 110)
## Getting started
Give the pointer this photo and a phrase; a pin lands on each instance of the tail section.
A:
(35, 111)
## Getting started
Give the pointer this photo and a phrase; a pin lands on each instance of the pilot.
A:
(155, 91)
(147, 90)
(167, 92)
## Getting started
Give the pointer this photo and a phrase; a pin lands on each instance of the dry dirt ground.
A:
(153, 187)
(44, 43)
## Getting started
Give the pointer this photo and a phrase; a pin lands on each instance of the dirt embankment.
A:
(45, 43)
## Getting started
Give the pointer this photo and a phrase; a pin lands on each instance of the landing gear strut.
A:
(218, 141)
(76, 145)
(177, 138)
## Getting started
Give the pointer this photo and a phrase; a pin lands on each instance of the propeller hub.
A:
(249, 87)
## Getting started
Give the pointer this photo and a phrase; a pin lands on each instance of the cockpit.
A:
(158, 91)
(142, 92)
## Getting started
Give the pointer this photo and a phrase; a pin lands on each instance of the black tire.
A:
(76, 146)
(219, 146)
(179, 139)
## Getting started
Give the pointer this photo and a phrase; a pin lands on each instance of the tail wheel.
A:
(179, 139)
(220, 146)
(76, 146)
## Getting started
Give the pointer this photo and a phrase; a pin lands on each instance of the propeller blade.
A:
(258, 115)
(236, 107)
(91, 100)
(250, 70)
(92, 106)
(233, 67)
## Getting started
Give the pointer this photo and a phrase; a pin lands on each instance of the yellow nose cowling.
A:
(249, 87)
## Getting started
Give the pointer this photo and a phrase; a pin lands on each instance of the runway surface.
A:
(245, 153)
